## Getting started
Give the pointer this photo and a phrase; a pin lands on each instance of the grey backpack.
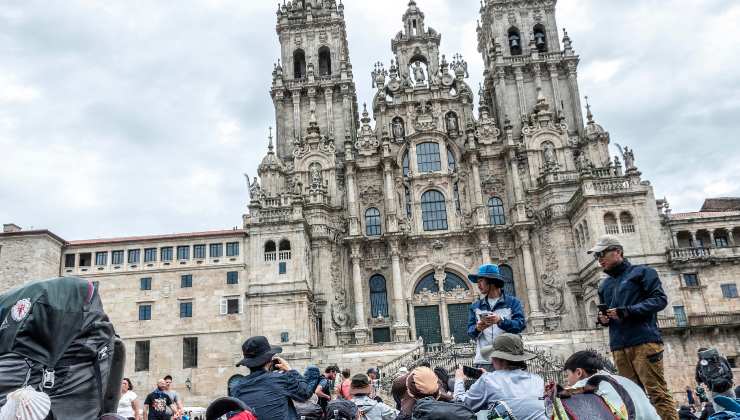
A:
(431, 409)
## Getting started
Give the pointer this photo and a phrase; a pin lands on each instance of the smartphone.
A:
(485, 314)
(273, 366)
(602, 308)
(472, 373)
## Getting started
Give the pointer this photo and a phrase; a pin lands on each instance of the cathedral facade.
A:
(364, 221)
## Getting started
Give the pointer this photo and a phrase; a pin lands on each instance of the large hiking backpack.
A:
(341, 410)
(431, 409)
(56, 338)
(308, 410)
(714, 371)
(587, 402)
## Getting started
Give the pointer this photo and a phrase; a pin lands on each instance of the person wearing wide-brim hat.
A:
(496, 312)
(360, 389)
(272, 384)
(510, 382)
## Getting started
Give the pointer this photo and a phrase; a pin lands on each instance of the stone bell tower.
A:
(313, 75)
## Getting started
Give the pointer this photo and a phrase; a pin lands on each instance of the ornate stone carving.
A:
(492, 185)
(552, 287)
(367, 142)
(371, 194)
(425, 120)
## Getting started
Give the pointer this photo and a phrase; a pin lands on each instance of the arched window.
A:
(270, 251)
(721, 238)
(610, 224)
(451, 163)
(433, 211)
(427, 157)
(405, 164)
(453, 281)
(372, 222)
(508, 274)
(496, 212)
(324, 61)
(515, 41)
(540, 38)
(628, 224)
(378, 296)
(284, 250)
(299, 64)
(452, 124)
(427, 283)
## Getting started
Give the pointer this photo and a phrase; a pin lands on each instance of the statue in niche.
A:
(419, 76)
(452, 124)
(549, 152)
(315, 170)
(399, 132)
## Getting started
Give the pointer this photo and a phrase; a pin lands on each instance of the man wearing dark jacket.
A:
(271, 393)
(493, 314)
(633, 296)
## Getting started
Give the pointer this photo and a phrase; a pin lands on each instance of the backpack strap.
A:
(594, 382)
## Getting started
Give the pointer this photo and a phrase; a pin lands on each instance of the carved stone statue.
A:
(629, 158)
(315, 174)
(549, 152)
(452, 124)
(419, 76)
(398, 129)
(254, 187)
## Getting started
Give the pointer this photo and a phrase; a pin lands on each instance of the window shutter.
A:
(224, 306)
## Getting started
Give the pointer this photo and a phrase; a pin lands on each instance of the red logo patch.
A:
(20, 310)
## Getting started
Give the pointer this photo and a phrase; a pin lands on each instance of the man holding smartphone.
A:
(493, 314)
(631, 296)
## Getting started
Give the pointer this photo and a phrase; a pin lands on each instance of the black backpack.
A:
(715, 371)
(431, 409)
(341, 410)
(55, 337)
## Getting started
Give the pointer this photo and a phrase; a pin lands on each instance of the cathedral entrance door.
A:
(427, 324)
(457, 314)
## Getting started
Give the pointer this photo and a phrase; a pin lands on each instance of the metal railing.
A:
(715, 319)
(450, 356)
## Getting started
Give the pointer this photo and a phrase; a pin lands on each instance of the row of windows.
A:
(515, 39)
(691, 280)
(299, 63)
(150, 254)
(142, 351)
(228, 305)
(626, 223)
(186, 280)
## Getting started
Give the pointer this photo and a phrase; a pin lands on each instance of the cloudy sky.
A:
(140, 116)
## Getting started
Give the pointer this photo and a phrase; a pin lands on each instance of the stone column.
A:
(485, 252)
(391, 220)
(280, 135)
(575, 94)
(712, 244)
(296, 113)
(477, 193)
(530, 274)
(693, 239)
(400, 325)
(329, 98)
(439, 277)
(554, 79)
(354, 226)
(731, 237)
(519, 75)
(360, 329)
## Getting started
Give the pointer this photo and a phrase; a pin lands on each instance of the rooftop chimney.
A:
(11, 227)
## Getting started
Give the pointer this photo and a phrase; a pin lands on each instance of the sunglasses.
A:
(603, 253)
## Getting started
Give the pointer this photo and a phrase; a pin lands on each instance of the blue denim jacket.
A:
(271, 394)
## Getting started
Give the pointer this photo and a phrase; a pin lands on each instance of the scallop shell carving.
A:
(26, 404)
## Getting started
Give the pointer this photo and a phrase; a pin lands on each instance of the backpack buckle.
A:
(103, 353)
(47, 380)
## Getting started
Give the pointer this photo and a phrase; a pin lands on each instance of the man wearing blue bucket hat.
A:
(493, 314)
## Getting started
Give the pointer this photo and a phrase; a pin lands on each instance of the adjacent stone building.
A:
(360, 232)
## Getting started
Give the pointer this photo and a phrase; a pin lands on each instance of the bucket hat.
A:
(257, 351)
(488, 271)
(510, 347)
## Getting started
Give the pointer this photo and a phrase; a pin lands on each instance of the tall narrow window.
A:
(378, 296)
(189, 352)
(116, 257)
(183, 252)
(186, 309)
(216, 250)
(610, 224)
(284, 250)
(456, 190)
(680, 313)
(101, 258)
(628, 224)
(270, 251)
(433, 211)
(405, 164)
(165, 253)
(324, 61)
(133, 256)
(427, 157)
(540, 38)
(451, 163)
(145, 312)
(372, 222)
(496, 212)
(299, 64)
(515, 42)
(508, 274)
(141, 356)
(407, 197)
(199, 252)
(150, 255)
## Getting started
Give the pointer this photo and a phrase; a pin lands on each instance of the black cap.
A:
(257, 352)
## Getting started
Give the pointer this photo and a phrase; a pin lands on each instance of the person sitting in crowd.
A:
(584, 364)
(326, 385)
(128, 406)
(272, 384)
(509, 383)
(493, 314)
(369, 409)
(157, 403)
(418, 384)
